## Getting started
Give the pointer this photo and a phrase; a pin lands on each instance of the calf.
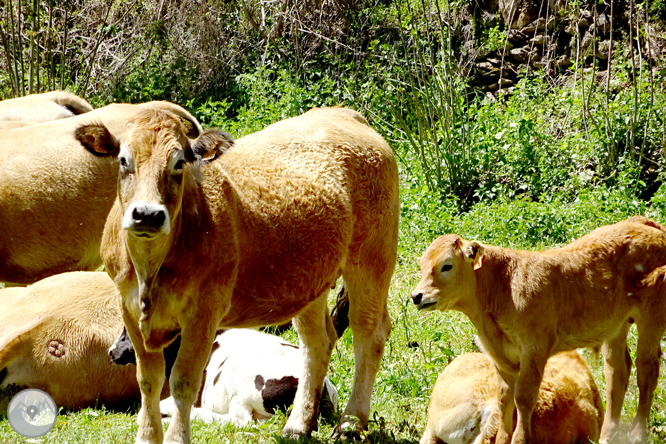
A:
(248, 376)
(57, 185)
(568, 409)
(54, 336)
(43, 107)
(527, 306)
(209, 234)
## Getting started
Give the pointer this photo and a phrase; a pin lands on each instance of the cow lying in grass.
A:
(528, 305)
(212, 233)
(57, 185)
(568, 409)
(248, 376)
(43, 107)
(54, 336)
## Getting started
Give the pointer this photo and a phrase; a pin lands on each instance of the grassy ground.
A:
(418, 349)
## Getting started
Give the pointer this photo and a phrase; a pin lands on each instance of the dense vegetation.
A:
(534, 166)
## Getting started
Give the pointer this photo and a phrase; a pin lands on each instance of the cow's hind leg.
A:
(647, 370)
(185, 380)
(317, 336)
(617, 366)
(371, 325)
(150, 376)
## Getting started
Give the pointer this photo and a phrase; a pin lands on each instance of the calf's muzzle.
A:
(146, 220)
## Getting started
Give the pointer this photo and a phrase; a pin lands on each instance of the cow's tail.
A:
(340, 312)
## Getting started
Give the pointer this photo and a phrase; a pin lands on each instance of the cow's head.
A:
(156, 157)
(448, 273)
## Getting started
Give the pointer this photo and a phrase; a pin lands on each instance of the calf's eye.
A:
(179, 165)
(447, 267)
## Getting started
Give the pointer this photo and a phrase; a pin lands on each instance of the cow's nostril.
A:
(416, 298)
(136, 215)
(148, 217)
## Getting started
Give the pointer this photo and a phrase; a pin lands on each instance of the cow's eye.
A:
(123, 161)
(447, 267)
(179, 165)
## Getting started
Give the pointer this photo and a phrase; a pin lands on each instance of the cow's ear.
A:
(191, 130)
(97, 139)
(211, 145)
(475, 254)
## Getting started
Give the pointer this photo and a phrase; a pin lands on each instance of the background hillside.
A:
(524, 126)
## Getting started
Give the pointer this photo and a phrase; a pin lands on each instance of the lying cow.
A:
(57, 184)
(208, 234)
(248, 376)
(54, 336)
(568, 409)
(528, 305)
(43, 107)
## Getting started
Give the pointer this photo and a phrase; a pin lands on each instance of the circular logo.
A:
(32, 413)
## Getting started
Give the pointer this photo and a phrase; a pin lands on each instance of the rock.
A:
(564, 62)
(603, 24)
(539, 40)
(536, 26)
(487, 66)
(519, 55)
(516, 36)
(504, 82)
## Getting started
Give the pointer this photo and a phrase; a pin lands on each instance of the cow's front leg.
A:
(532, 365)
(150, 376)
(500, 425)
(195, 346)
(317, 336)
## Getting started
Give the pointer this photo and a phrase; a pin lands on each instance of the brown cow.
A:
(54, 336)
(200, 238)
(57, 185)
(43, 107)
(528, 305)
(568, 409)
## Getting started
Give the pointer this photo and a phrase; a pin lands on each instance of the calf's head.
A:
(156, 158)
(448, 273)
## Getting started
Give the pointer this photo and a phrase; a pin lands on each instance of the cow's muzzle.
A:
(417, 299)
(146, 220)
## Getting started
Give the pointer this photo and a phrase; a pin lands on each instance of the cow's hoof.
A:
(348, 430)
(293, 433)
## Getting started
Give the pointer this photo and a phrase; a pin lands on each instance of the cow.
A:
(529, 305)
(43, 107)
(568, 409)
(57, 186)
(213, 233)
(248, 376)
(54, 336)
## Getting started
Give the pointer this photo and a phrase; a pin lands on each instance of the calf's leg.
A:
(197, 336)
(150, 376)
(647, 370)
(317, 336)
(500, 424)
(617, 366)
(532, 364)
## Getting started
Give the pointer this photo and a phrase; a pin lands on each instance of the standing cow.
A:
(43, 107)
(57, 185)
(529, 305)
(211, 233)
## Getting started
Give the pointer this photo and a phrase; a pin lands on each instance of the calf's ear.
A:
(211, 145)
(97, 139)
(474, 253)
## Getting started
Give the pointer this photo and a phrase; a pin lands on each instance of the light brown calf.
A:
(43, 107)
(528, 305)
(568, 409)
(57, 185)
(54, 336)
(201, 239)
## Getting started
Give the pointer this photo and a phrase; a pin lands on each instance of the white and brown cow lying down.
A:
(54, 336)
(57, 184)
(208, 234)
(248, 376)
(43, 107)
(528, 305)
(568, 409)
